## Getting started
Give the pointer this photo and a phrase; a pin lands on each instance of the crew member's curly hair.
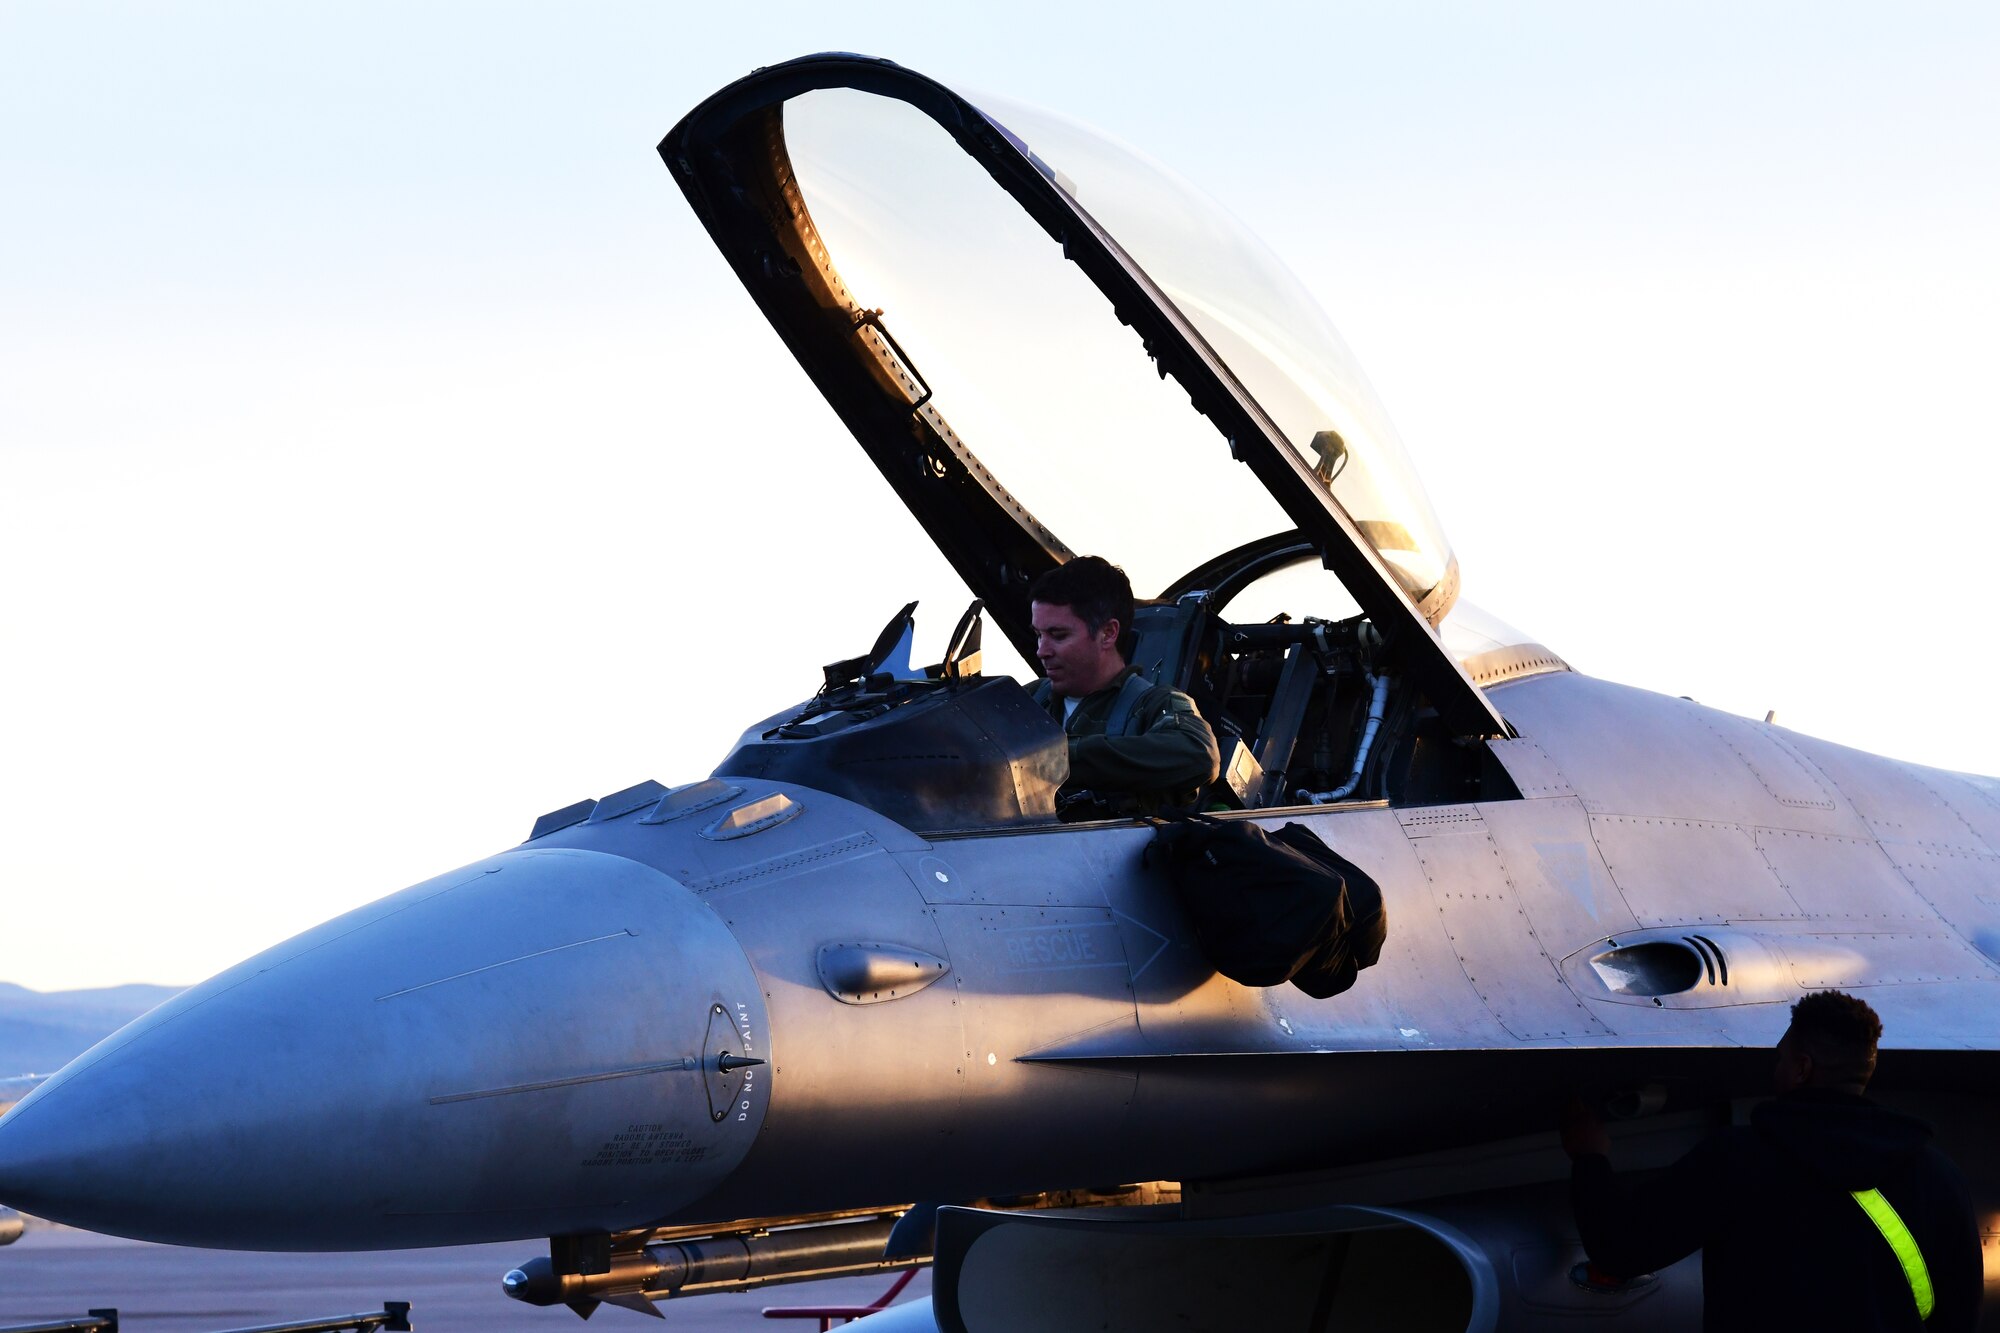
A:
(1840, 1033)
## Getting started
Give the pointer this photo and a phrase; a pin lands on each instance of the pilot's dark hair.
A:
(1840, 1033)
(1092, 587)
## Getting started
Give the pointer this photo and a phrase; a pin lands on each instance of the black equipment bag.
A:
(1272, 907)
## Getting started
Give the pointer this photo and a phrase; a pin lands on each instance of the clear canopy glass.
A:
(1259, 319)
(1026, 363)
(1023, 357)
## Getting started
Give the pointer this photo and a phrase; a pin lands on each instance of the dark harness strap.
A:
(1123, 708)
(1135, 688)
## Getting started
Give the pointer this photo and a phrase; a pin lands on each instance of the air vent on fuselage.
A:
(1721, 977)
(1656, 967)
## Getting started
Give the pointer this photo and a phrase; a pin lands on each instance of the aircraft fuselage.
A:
(533, 1040)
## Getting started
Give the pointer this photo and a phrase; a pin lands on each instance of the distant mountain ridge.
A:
(40, 1032)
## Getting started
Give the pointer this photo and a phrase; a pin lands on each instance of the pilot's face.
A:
(1076, 661)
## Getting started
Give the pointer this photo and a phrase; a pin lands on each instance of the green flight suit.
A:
(1163, 755)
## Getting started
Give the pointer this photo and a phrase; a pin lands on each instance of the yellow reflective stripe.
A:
(1883, 1215)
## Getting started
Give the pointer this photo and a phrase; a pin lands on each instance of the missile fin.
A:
(632, 1300)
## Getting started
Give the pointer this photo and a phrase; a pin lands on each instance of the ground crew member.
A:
(1134, 747)
(1825, 1212)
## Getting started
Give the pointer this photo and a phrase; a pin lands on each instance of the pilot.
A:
(1826, 1211)
(1134, 747)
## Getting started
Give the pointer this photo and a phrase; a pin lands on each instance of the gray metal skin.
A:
(535, 1045)
(525, 1047)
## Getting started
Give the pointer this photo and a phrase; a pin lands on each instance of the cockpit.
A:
(1050, 345)
(1307, 711)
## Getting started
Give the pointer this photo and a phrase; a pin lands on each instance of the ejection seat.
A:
(1176, 642)
(1181, 640)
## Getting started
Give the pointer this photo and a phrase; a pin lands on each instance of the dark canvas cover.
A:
(1272, 907)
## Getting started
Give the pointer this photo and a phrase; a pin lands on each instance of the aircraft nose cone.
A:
(524, 1047)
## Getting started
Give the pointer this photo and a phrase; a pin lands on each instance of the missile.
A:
(636, 1276)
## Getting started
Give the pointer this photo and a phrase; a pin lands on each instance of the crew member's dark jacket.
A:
(1770, 1206)
(1163, 755)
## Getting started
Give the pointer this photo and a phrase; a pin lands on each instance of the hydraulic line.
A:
(1378, 705)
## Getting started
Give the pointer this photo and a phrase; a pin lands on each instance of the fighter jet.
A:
(11, 1091)
(859, 998)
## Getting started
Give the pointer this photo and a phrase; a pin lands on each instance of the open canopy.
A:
(948, 276)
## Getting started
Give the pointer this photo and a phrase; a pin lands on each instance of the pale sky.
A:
(386, 456)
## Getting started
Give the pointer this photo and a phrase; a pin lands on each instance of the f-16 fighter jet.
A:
(857, 998)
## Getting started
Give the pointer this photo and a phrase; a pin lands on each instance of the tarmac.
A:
(59, 1274)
